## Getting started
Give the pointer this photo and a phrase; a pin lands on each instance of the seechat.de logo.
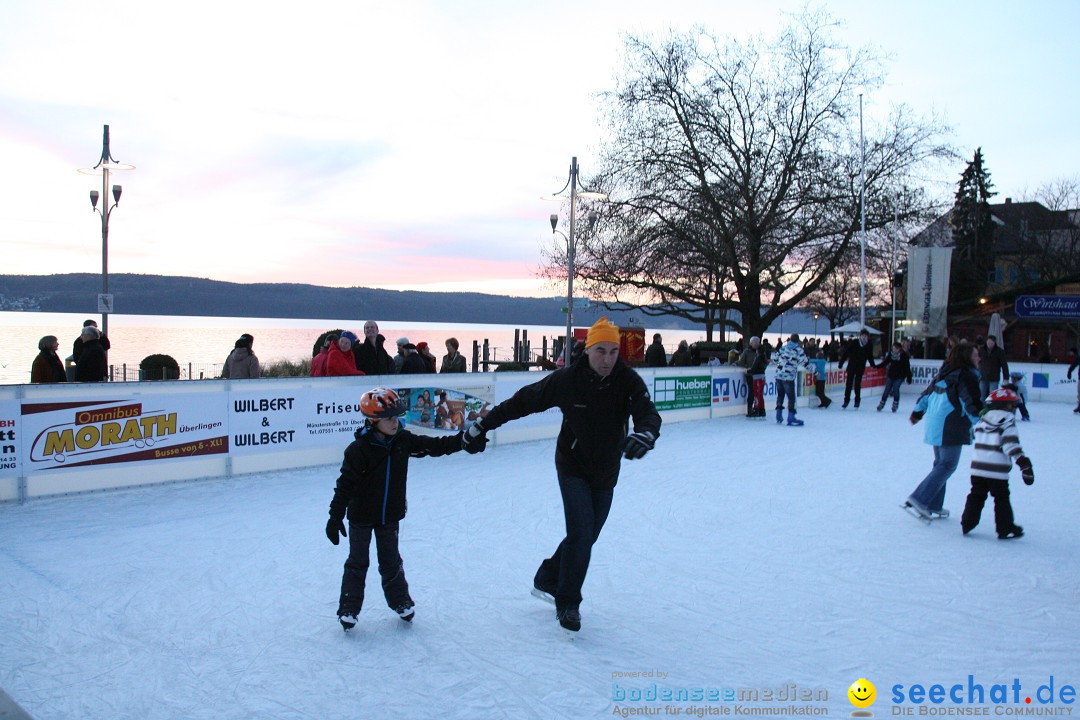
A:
(862, 695)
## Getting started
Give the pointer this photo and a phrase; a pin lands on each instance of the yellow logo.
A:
(862, 694)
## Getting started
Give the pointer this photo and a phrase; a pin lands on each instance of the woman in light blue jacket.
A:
(951, 407)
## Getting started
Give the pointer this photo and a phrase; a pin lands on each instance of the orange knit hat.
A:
(602, 331)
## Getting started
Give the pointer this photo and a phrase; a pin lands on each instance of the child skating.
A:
(997, 447)
(371, 491)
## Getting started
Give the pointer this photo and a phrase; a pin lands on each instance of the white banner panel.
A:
(928, 290)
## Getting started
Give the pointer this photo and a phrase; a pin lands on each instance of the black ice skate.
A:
(347, 620)
(569, 618)
(1015, 532)
(406, 611)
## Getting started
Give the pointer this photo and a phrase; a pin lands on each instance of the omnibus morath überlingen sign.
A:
(1048, 307)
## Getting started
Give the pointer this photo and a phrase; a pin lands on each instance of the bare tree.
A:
(734, 169)
(1050, 246)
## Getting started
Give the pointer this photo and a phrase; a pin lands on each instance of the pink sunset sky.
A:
(406, 145)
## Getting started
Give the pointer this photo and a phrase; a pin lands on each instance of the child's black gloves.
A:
(1026, 470)
(335, 527)
(915, 417)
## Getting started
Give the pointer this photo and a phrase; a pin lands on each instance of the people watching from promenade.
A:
(423, 351)
(412, 363)
(399, 359)
(371, 356)
(340, 360)
(453, 361)
(318, 363)
(76, 347)
(92, 365)
(242, 362)
(48, 368)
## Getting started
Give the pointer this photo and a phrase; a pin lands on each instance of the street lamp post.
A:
(104, 167)
(571, 245)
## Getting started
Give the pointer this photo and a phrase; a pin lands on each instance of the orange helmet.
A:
(380, 403)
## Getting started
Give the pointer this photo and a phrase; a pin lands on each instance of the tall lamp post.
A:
(571, 246)
(104, 167)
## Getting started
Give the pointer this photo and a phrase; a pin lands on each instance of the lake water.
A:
(204, 342)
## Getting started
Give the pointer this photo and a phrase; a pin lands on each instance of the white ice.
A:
(737, 554)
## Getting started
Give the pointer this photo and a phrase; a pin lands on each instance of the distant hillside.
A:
(165, 295)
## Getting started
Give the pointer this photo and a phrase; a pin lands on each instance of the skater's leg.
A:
(356, 567)
(391, 568)
(931, 491)
(849, 379)
(856, 385)
(974, 505)
(749, 394)
(585, 511)
(1003, 512)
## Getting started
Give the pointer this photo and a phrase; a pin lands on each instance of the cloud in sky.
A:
(407, 144)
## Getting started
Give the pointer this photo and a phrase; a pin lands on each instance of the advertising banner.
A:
(1048, 307)
(307, 418)
(63, 435)
(681, 392)
(928, 290)
(9, 438)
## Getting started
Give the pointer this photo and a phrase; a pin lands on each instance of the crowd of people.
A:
(88, 358)
(345, 354)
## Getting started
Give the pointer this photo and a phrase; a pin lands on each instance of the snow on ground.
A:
(738, 554)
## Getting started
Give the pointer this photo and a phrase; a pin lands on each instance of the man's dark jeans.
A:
(585, 510)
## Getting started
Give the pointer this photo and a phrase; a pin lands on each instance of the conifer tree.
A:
(973, 233)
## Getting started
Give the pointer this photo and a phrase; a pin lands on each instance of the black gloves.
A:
(474, 440)
(334, 527)
(915, 417)
(637, 444)
(1026, 471)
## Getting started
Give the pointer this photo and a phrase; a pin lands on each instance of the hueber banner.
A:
(928, 290)
(64, 435)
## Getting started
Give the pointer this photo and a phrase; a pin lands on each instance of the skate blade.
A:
(546, 597)
(910, 510)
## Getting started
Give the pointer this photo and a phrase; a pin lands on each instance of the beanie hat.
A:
(602, 331)
(421, 346)
(403, 341)
(351, 336)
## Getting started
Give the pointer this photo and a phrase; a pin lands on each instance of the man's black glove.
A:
(335, 527)
(637, 444)
(474, 440)
(1026, 470)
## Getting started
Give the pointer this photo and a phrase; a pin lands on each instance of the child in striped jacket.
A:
(997, 446)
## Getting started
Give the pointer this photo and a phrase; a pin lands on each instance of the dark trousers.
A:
(391, 569)
(853, 381)
(585, 511)
(785, 388)
(1003, 513)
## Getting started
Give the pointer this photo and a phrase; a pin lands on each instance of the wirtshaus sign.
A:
(1048, 307)
(62, 435)
(681, 392)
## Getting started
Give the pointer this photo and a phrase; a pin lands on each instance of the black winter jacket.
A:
(595, 413)
(897, 368)
(857, 356)
(373, 359)
(374, 472)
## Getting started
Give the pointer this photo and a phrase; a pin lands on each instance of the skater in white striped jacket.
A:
(997, 447)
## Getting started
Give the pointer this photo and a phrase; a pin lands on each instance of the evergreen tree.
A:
(973, 233)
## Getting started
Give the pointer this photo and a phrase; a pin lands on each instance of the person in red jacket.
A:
(340, 359)
(318, 363)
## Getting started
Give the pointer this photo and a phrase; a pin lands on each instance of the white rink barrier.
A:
(71, 438)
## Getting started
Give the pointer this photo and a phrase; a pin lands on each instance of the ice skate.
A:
(779, 415)
(569, 618)
(917, 511)
(347, 620)
(939, 514)
(793, 421)
(406, 611)
(895, 405)
(881, 406)
(544, 595)
(1015, 532)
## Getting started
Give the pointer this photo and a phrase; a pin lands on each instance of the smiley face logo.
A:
(862, 693)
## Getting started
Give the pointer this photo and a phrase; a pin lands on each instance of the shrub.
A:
(159, 367)
(287, 368)
(510, 367)
(317, 347)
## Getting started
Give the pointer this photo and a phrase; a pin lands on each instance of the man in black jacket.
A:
(655, 354)
(993, 366)
(597, 395)
(371, 356)
(857, 353)
(92, 365)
